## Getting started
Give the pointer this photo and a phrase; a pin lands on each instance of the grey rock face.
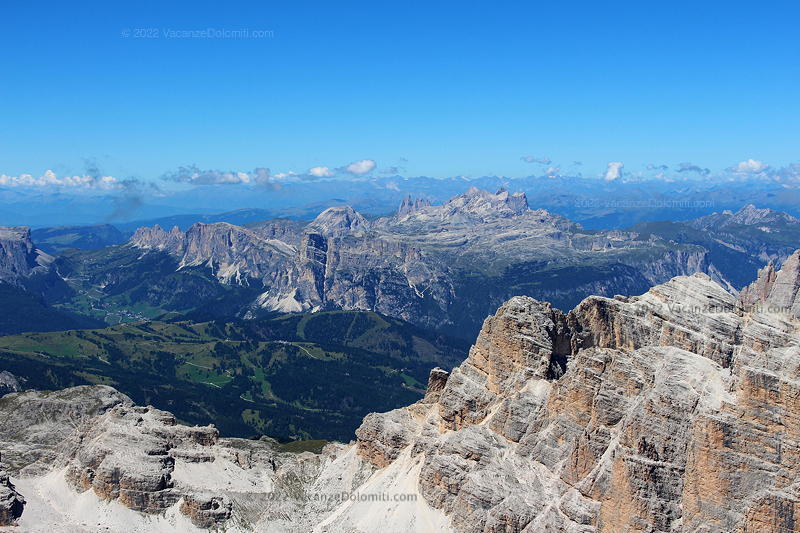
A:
(19, 258)
(11, 502)
(9, 383)
(778, 291)
(670, 411)
(129, 453)
(141, 458)
(34, 425)
(233, 253)
(410, 205)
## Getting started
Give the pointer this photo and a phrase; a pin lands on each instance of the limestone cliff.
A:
(19, 258)
(673, 411)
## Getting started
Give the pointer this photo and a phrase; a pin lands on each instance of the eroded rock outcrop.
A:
(9, 382)
(779, 291)
(12, 503)
(672, 411)
(93, 441)
(19, 258)
(233, 253)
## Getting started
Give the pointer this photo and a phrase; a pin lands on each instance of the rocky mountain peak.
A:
(233, 253)
(410, 205)
(339, 221)
(19, 257)
(483, 204)
(777, 291)
(628, 413)
(16, 233)
(155, 238)
(750, 215)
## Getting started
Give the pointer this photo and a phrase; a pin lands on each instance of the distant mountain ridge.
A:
(57, 239)
(748, 215)
(438, 266)
(433, 265)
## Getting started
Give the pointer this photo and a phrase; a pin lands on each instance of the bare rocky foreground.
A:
(677, 410)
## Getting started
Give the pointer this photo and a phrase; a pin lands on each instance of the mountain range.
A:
(674, 410)
(447, 266)
(443, 267)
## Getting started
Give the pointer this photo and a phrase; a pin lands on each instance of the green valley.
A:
(290, 376)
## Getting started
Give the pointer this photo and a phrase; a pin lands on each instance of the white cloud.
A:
(196, 176)
(320, 172)
(285, 175)
(51, 179)
(360, 167)
(552, 171)
(751, 166)
(614, 170)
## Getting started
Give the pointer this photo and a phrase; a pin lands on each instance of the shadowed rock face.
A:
(19, 258)
(778, 291)
(11, 502)
(674, 410)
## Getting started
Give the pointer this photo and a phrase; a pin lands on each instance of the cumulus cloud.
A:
(690, 167)
(653, 166)
(533, 159)
(359, 168)
(356, 168)
(614, 170)
(193, 175)
(750, 166)
(285, 175)
(320, 172)
(51, 179)
(552, 172)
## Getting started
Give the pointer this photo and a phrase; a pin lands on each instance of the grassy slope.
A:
(123, 284)
(289, 376)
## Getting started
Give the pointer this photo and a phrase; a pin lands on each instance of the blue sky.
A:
(436, 88)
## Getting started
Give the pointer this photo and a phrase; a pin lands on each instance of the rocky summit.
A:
(676, 410)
